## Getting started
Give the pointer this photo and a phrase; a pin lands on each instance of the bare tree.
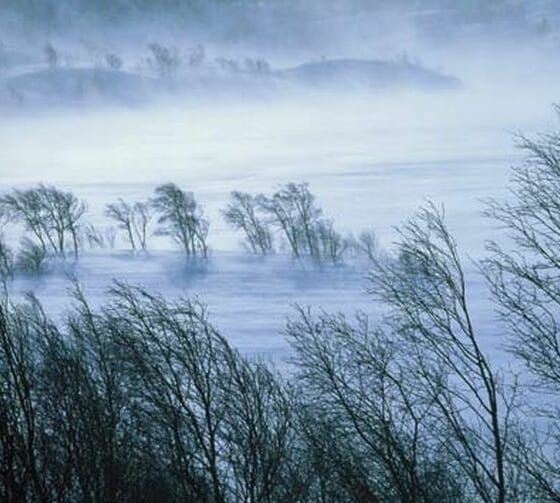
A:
(331, 245)
(224, 422)
(181, 218)
(68, 426)
(426, 290)
(361, 405)
(523, 276)
(244, 213)
(63, 211)
(293, 211)
(20, 475)
(366, 244)
(141, 218)
(123, 213)
(51, 215)
(295, 214)
(25, 206)
(94, 237)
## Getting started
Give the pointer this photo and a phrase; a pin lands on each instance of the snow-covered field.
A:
(371, 159)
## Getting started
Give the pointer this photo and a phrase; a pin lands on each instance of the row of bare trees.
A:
(143, 400)
(179, 216)
(289, 219)
(292, 215)
(140, 401)
(55, 224)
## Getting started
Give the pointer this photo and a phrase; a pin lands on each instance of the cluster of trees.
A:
(52, 218)
(143, 400)
(292, 215)
(55, 225)
(164, 61)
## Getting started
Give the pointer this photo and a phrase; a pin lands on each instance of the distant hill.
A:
(375, 74)
(68, 86)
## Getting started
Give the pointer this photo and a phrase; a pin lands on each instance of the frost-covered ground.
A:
(370, 159)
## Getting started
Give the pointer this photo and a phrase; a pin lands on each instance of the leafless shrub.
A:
(110, 236)
(257, 66)
(99, 237)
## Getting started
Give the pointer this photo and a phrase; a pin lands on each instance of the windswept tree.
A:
(366, 244)
(181, 218)
(141, 217)
(524, 278)
(25, 207)
(52, 216)
(134, 219)
(331, 245)
(244, 213)
(64, 212)
(426, 292)
(99, 237)
(368, 430)
(141, 400)
(293, 211)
